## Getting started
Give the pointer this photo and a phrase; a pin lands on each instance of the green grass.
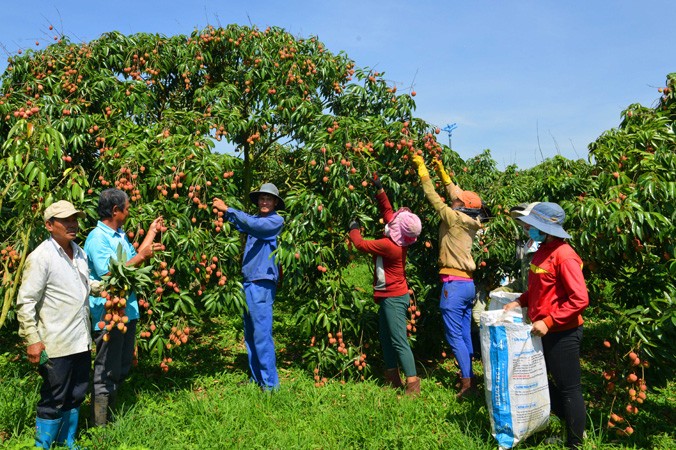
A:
(204, 402)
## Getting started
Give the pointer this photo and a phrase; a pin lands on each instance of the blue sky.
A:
(525, 79)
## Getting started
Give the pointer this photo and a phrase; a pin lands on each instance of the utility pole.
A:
(449, 129)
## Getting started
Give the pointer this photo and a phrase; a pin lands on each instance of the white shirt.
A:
(52, 305)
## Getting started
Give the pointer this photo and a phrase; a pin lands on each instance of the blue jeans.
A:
(457, 298)
(562, 357)
(260, 347)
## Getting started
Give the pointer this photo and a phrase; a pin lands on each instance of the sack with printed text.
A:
(517, 391)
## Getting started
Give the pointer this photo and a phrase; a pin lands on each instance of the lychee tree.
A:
(621, 216)
(153, 115)
(145, 112)
(626, 219)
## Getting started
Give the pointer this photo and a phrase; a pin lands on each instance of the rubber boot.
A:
(413, 388)
(68, 431)
(112, 401)
(466, 388)
(46, 431)
(393, 378)
(100, 410)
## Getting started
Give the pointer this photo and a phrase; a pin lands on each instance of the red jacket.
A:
(389, 275)
(556, 293)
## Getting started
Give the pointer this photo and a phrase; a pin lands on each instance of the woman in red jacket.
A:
(556, 297)
(390, 289)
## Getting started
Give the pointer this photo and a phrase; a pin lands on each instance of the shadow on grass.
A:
(216, 348)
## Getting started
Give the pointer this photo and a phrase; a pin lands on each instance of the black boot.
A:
(100, 410)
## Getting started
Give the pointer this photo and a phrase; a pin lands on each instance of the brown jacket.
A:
(456, 233)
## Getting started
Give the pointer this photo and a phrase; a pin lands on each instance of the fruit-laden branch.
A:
(11, 281)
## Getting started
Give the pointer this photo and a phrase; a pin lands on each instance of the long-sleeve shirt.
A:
(52, 303)
(261, 241)
(100, 246)
(456, 233)
(556, 293)
(389, 274)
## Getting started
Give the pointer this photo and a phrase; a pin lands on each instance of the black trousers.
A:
(113, 359)
(65, 381)
(562, 357)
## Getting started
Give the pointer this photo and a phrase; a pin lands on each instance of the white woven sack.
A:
(501, 298)
(515, 376)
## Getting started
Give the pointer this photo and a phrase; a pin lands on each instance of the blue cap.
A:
(548, 218)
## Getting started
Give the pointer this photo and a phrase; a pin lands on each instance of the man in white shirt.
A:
(53, 313)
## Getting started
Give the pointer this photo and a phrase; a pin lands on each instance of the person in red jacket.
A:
(390, 289)
(556, 297)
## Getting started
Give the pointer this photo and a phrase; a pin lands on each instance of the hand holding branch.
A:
(220, 205)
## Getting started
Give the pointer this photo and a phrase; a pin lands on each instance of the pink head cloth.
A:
(405, 227)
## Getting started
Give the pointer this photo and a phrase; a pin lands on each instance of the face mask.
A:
(536, 234)
(532, 248)
(472, 212)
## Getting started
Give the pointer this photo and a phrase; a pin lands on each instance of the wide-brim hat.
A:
(270, 189)
(61, 210)
(547, 217)
(405, 227)
(522, 210)
(470, 199)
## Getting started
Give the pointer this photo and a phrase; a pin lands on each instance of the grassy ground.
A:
(205, 402)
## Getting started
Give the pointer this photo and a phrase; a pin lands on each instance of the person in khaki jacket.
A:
(459, 224)
(53, 314)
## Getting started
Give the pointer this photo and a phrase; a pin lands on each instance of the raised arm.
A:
(446, 213)
(452, 189)
(261, 227)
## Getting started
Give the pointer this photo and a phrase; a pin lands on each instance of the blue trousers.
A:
(457, 298)
(260, 347)
(65, 381)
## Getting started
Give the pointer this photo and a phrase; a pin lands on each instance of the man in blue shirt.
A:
(114, 353)
(260, 274)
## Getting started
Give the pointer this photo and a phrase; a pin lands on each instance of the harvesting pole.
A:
(449, 129)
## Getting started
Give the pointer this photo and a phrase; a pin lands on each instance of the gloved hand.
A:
(439, 167)
(354, 224)
(420, 164)
(376, 182)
